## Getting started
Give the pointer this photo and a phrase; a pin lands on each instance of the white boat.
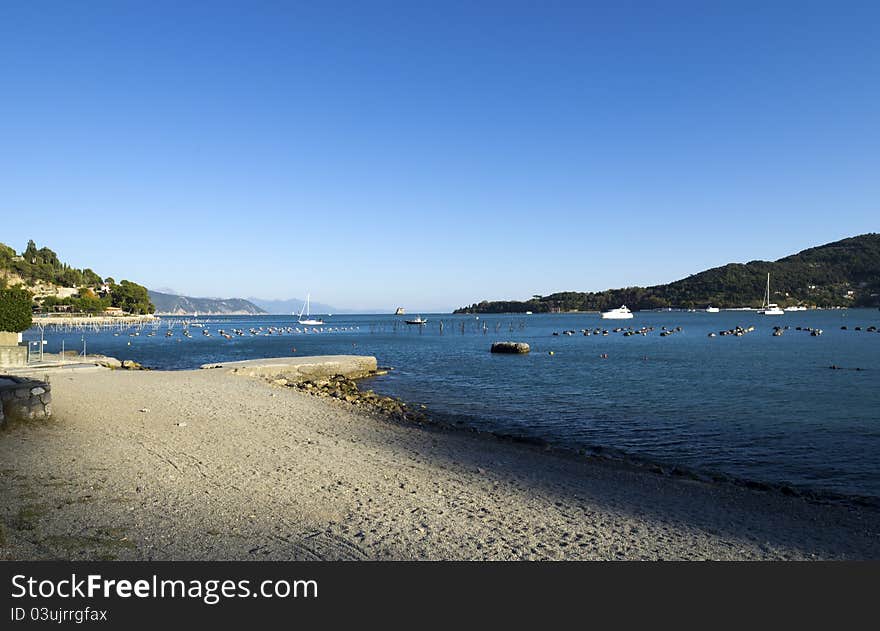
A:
(417, 320)
(308, 320)
(769, 308)
(400, 311)
(711, 309)
(621, 313)
(528, 313)
(795, 308)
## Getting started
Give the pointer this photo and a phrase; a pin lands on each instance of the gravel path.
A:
(206, 465)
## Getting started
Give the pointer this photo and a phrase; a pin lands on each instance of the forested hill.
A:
(54, 284)
(173, 304)
(843, 273)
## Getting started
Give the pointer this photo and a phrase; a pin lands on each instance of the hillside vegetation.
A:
(843, 273)
(55, 284)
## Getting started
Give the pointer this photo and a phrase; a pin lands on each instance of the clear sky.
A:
(434, 154)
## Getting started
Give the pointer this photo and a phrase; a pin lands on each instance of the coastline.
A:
(99, 320)
(209, 465)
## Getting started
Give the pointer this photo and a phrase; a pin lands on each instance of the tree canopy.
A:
(15, 309)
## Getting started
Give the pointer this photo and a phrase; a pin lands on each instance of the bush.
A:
(15, 310)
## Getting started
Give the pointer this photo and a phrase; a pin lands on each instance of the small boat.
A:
(528, 313)
(308, 320)
(418, 320)
(769, 308)
(795, 308)
(399, 311)
(711, 309)
(621, 313)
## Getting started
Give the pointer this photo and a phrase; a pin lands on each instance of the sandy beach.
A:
(151, 465)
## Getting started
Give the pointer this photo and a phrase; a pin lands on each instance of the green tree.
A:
(131, 297)
(15, 310)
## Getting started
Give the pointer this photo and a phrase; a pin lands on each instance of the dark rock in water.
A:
(510, 347)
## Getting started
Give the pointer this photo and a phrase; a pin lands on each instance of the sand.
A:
(206, 465)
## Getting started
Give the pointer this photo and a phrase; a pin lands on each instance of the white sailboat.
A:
(769, 308)
(308, 320)
(621, 313)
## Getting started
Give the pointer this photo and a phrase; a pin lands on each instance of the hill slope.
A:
(291, 305)
(171, 304)
(843, 273)
(54, 283)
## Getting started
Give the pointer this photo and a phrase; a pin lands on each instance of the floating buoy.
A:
(550, 353)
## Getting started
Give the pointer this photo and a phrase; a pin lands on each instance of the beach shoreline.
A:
(147, 465)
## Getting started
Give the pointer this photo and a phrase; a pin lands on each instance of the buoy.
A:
(550, 353)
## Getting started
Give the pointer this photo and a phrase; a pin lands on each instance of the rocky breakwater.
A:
(516, 348)
(347, 390)
(113, 363)
(24, 399)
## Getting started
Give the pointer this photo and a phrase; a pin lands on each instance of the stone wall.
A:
(24, 399)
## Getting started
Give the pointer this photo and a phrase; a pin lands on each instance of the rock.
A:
(131, 365)
(37, 391)
(510, 347)
(108, 362)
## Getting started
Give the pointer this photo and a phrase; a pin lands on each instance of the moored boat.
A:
(769, 308)
(308, 320)
(621, 313)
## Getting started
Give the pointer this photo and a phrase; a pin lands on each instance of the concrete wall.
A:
(298, 369)
(13, 355)
(9, 339)
(24, 399)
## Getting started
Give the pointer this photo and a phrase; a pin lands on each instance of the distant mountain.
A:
(172, 304)
(843, 273)
(292, 305)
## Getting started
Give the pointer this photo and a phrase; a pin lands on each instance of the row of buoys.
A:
(736, 331)
(626, 331)
(596, 331)
(667, 332)
(642, 331)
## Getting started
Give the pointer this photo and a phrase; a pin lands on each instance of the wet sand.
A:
(208, 465)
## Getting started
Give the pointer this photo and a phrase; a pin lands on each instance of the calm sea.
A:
(759, 407)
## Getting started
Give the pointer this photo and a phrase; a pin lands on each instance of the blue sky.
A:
(434, 154)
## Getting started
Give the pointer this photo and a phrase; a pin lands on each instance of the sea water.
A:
(757, 406)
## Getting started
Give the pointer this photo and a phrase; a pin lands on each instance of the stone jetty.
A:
(302, 369)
